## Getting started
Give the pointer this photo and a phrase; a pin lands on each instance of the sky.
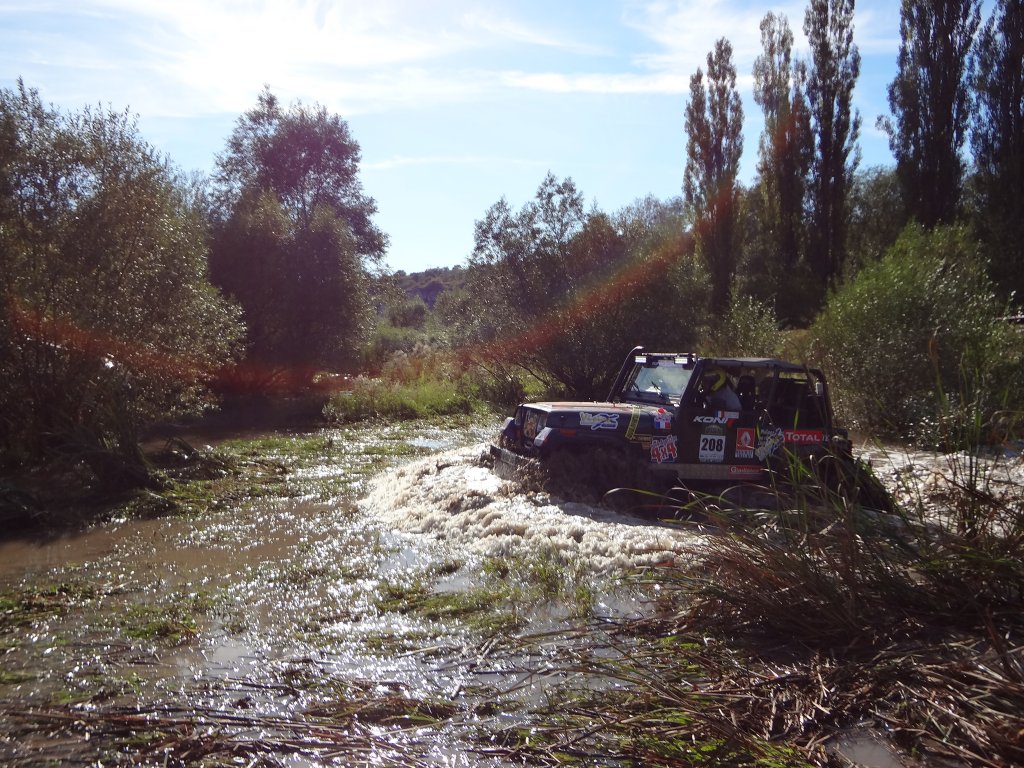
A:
(454, 103)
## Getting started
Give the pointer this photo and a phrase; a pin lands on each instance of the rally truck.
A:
(679, 419)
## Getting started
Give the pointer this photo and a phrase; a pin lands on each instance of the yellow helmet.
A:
(713, 380)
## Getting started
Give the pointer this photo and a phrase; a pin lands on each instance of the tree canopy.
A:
(833, 71)
(293, 237)
(109, 318)
(997, 139)
(931, 106)
(714, 145)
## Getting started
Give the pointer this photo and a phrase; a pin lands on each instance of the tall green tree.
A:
(294, 237)
(931, 106)
(997, 139)
(108, 319)
(835, 126)
(561, 293)
(784, 157)
(714, 145)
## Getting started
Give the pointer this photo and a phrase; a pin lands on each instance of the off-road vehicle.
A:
(706, 423)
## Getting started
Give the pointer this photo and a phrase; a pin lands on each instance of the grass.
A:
(804, 622)
(172, 621)
(20, 608)
(421, 398)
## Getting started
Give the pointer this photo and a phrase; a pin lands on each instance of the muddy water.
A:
(257, 617)
(252, 627)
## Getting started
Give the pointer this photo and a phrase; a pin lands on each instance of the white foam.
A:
(454, 498)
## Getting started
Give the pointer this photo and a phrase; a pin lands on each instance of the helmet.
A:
(713, 380)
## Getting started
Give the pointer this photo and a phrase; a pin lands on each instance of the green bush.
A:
(748, 329)
(412, 385)
(917, 336)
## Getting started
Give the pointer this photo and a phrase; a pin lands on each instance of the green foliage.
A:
(432, 283)
(108, 319)
(997, 139)
(784, 157)
(931, 106)
(714, 144)
(301, 285)
(877, 216)
(835, 126)
(292, 236)
(748, 329)
(914, 321)
(559, 295)
(420, 384)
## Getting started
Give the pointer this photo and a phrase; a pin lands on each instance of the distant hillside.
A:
(428, 285)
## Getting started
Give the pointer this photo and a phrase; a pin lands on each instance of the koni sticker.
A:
(723, 418)
(664, 449)
(712, 446)
(599, 420)
(745, 443)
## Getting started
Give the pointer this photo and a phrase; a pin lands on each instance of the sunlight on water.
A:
(454, 498)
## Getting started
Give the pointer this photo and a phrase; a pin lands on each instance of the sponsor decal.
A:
(745, 443)
(740, 471)
(662, 419)
(724, 418)
(711, 449)
(768, 442)
(634, 419)
(599, 420)
(805, 436)
(663, 449)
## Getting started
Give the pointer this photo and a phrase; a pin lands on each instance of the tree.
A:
(109, 320)
(919, 322)
(835, 127)
(877, 216)
(562, 294)
(997, 139)
(783, 162)
(714, 144)
(293, 237)
(930, 103)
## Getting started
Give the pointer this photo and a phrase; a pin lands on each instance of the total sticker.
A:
(712, 448)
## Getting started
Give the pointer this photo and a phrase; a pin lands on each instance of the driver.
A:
(717, 390)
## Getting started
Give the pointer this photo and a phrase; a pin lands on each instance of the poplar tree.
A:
(784, 156)
(714, 144)
(835, 128)
(997, 140)
(930, 105)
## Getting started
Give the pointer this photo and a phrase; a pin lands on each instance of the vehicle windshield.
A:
(664, 381)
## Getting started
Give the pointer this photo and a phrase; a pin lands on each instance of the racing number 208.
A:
(712, 444)
(712, 448)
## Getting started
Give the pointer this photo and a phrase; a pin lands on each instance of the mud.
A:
(250, 635)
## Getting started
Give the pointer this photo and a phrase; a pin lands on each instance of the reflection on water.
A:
(291, 614)
(293, 593)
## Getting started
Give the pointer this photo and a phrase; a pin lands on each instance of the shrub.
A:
(919, 326)
(748, 329)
